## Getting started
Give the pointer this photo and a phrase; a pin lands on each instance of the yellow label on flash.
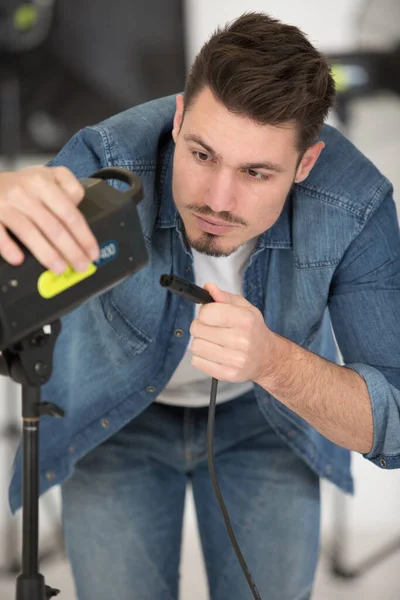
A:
(50, 284)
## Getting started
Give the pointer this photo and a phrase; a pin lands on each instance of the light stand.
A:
(10, 146)
(29, 362)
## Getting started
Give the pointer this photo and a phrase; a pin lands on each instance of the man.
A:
(281, 218)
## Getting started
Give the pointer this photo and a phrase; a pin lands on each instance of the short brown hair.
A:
(263, 69)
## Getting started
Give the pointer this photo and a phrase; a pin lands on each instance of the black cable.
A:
(218, 494)
(194, 293)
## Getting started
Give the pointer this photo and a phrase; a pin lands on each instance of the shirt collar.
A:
(167, 213)
(280, 234)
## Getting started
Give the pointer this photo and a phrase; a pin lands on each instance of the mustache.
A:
(224, 215)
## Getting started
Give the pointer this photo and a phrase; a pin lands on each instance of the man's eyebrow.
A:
(194, 138)
(268, 166)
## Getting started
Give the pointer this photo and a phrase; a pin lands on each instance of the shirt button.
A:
(328, 470)
(105, 423)
(50, 475)
(151, 388)
(71, 449)
(188, 270)
(178, 332)
(383, 463)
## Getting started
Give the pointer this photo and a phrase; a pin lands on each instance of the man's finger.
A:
(226, 337)
(219, 295)
(218, 314)
(69, 183)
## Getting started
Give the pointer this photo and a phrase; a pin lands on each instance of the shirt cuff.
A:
(385, 404)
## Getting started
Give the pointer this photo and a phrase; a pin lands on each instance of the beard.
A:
(210, 243)
(207, 243)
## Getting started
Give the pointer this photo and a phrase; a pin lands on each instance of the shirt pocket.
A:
(127, 331)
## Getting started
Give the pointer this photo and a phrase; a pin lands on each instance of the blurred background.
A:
(64, 65)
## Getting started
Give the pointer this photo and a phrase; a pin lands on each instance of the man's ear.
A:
(308, 160)
(178, 118)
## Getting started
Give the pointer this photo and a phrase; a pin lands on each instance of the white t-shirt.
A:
(189, 386)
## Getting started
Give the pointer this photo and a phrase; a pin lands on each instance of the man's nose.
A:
(221, 196)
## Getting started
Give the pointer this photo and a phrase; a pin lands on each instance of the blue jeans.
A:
(123, 507)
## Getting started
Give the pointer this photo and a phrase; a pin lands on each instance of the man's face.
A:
(231, 176)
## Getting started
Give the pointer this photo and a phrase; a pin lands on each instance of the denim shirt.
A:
(332, 257)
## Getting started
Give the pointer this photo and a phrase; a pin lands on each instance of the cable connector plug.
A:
(185, 289)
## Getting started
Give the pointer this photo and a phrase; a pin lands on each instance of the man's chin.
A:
(211, 245)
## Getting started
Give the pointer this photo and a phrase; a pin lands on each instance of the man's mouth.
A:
(211, 226)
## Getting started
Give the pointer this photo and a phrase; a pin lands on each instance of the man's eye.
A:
(201, 156)
(256, 175)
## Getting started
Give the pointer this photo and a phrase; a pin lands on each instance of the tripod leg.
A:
(30, 520)
(29, 362)
(30, 584)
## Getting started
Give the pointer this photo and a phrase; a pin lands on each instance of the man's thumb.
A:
(217, 294)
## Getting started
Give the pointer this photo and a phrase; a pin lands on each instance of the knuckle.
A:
(244, 343)
(240, 361)
(33, 170)
(77, 189)
(60, 171)
(14, 194)
(32, 180)
(248, 322)
(232, 375)
(37, 179)
(70, 214)
(70, 183)
(54, 229)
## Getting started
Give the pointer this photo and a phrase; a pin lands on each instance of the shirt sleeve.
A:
(364, 307)
(84, 154)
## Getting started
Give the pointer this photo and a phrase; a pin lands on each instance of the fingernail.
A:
(59, 267)
(82, 266)
(94, 254)
(15, 258)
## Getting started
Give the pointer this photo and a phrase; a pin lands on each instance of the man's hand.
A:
(232, 343)
(39, 205)
(230, 339)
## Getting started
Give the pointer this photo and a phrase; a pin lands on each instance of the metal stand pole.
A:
(29, 362)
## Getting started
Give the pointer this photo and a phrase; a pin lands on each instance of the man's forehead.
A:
(210, 121)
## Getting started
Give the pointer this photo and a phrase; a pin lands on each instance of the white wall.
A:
(328, 24)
